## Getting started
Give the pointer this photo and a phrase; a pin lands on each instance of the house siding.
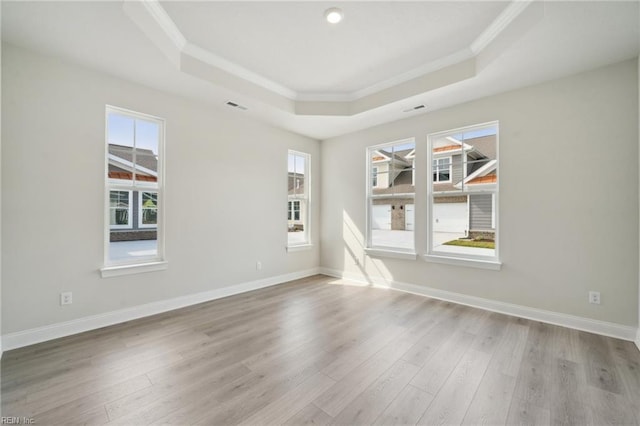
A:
(480, 206)
(457, 169)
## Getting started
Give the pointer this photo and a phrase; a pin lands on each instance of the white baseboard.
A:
(579, 323)
(54, 331)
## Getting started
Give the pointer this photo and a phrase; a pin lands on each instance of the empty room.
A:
(310, 212)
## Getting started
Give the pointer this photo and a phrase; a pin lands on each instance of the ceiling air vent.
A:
(415, 108)
(235, 105)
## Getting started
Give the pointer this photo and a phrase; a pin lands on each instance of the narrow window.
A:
(463, 193)
(390, 196)
(134, 146)
(298, 205)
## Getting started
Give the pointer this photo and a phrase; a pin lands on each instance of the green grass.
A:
(472, 243)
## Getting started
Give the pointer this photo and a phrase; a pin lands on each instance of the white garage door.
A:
(409, 217)
(450, 217)
(381, 216)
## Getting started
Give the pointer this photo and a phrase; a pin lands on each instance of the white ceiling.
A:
(281, 60)
(292, 44)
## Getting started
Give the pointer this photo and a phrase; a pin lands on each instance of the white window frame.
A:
(484, 262)
(304, 201)
(438, 168)
(378, 250)
(140, 224)
(145, 264)
(130, 211)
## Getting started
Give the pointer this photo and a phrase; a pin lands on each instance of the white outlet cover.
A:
(66, 298)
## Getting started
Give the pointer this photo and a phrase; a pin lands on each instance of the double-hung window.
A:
(462, 196)
(390, 197)
(133, 191)
(298, 202)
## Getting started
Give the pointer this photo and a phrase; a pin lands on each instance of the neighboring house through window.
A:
(120, 209)
(298, 209)
(148, 208)
(462, 196)
(390, 196)
(133, 234)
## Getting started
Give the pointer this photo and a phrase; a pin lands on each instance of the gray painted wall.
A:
(557, 242)
(220, 219)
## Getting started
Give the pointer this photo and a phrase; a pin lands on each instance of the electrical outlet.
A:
(594, 297)
(258, 265)
(66, 298)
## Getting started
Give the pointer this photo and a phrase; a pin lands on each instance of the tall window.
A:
(298, 184)
(463, 193)
(133, 188)
(390, 196)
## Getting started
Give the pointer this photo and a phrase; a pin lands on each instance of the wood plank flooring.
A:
(320, 351)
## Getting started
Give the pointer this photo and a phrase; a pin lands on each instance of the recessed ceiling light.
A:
(333, 15)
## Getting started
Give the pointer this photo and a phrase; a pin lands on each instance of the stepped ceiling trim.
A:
(155, 22)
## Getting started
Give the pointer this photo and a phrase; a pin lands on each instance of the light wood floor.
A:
(316, 352)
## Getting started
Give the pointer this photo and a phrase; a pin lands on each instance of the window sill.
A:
(394, 254)
(493, 265)
(300, 247)
(137, 268)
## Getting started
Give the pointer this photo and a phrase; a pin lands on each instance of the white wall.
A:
(568, 202)
(226, 193)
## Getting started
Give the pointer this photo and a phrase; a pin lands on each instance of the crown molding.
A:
(338, 104)
(214, 60)
(162, 18)
(508, 15)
